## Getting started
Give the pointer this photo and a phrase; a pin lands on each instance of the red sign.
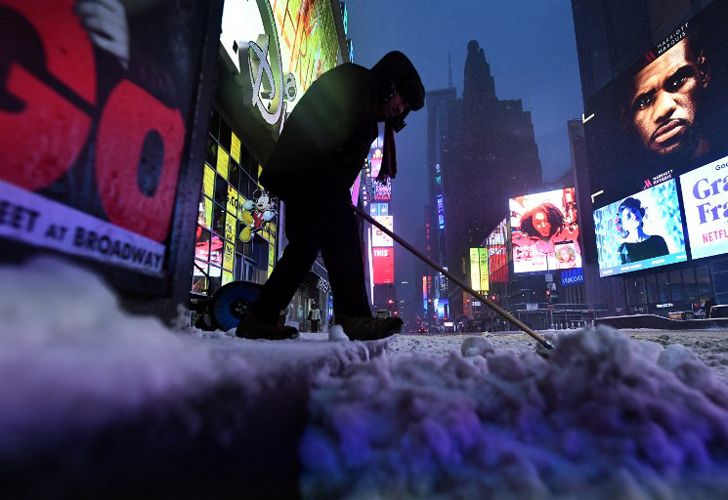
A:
(383, 265)
(85, 117)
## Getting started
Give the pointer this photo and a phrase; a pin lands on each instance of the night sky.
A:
(531, 49)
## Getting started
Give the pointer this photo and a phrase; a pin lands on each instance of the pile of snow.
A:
(605, 417)
(71, 359)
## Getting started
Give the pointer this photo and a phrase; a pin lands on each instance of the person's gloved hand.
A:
(105, 21)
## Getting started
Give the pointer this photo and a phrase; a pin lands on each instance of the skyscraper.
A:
(481, 151)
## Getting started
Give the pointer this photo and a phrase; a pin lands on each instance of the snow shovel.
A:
(495, 307)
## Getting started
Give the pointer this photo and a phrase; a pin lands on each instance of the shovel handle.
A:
(495, 307)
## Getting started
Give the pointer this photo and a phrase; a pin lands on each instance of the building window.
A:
(230, 178)
(651, 285)
(662, 284)
(692, 293)
(705, 284)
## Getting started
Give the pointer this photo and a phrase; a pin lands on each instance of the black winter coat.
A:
(326, 138)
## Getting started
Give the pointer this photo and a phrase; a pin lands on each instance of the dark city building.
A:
(481, 152)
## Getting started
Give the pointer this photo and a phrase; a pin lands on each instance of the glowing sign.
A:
(379, 238)
(383, 265)
(441, 211)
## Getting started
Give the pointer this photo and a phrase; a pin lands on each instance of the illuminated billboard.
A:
(379, 238)
(378, 209)
(383, 265)
(641, 231)
(663, 116)
(382, 191)
(479, 269)
(497, 255)
(474, 269)
(705, 200)
(273, 51)
(295, 39)
(545, 231)
(375, 163)
(96, 132)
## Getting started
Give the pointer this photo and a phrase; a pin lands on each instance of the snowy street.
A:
(97, 403)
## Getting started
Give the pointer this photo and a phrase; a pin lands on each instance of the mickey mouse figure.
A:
(256, 212)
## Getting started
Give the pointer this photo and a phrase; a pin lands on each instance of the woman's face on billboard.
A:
(631, 220)
(541, 223)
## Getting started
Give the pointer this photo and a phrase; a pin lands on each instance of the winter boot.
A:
(368, 328)
(251, 327)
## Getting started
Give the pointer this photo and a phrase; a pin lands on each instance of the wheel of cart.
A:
(230, 302)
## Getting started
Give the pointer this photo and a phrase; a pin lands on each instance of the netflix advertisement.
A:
(705, 199)
(96, 102)
(664, 115)
(383, 265)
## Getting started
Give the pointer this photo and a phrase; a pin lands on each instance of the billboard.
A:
(96, 113)
(273, 50)
(378, 209)
(665, 114)
(382, 191)
(497, 254)
(641, 231)
(545, 231)
(571, 277)
(705, 201)
(474, 269)
(375, 163)
(383, 265)
(379, 238)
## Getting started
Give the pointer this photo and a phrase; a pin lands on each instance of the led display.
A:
(705, 201)
(545, 231)
(379, 238)
(383, 265)
(641, 231)
(497, 257)
(474, 269)
(640, 133)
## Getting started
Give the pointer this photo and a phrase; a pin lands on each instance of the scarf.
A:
(388, 169)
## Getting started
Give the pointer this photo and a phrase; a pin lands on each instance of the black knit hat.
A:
(395, 69)
(395, 72)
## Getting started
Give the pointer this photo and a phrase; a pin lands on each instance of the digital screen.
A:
(375, 163)
(664, 115)
(571, 277)
(440, 211)
(474, 269)
(479, 269)
(641, 231)
(379, 238)
(545, 231)
(497, 257)
(379, 209)
(382, 192)
(705, 199)
(483, 265)
(383, 265)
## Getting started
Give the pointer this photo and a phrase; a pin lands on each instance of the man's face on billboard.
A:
(664, 102)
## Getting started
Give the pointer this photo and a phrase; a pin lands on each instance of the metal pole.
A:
(498, 309)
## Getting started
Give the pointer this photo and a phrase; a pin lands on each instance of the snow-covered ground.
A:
(94, 402)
